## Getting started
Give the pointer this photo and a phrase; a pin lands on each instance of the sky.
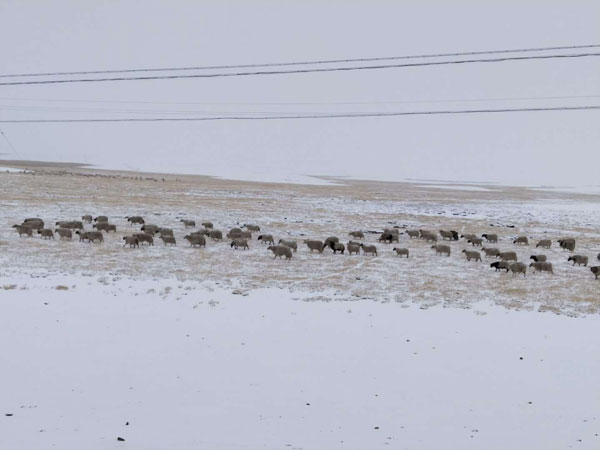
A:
(543, 148)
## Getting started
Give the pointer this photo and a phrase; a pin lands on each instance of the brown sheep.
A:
(353, 248)
(23, 230)
(168, 239)
(521, 240)
(280, 251)
(596, 271)
(314, 245)
(64, 233)
(472, 255)
(207, 225)
(237, 243)
(369, 249)
(150, 229)
(46, 233)
(357, 234)
(538, 258)
(544, 243)
(101, 219)
(132, 241)
(476, 242)
(580, 260)
(90, 236)
(401, 251)
(266, 239)
(289, 243)
(441, 249)
(518, 268)
(145, 237)
(136, 220)
(216, 235)
(337, 247)
(413, 233)
(196, 240)
(542, 267)
(507, 256)
(567, 244)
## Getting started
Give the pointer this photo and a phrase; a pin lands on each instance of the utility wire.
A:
(300, 71)
(302, 63)
(363, 103)
(311, 116)
(10, 144)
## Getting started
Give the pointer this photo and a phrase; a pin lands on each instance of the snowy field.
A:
(179, 348)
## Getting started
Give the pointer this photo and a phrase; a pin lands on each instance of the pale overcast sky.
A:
(558, 148)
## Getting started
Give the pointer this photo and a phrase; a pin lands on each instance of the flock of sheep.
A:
(507, 260)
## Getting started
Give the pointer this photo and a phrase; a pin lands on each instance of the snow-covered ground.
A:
(165, 365)
(179, 348)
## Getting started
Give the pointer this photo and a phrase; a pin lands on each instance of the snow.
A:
(11, 170)
(191, 367)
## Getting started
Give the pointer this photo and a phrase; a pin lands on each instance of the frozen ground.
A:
(167, 365)
(321, 352)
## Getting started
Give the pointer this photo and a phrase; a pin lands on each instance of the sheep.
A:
(132, 241)
(136, 220)
(266, 238)
(215, 235)
(441, 249)
(490, 251)
(368, 249)
(280, 251)
(353, 248)
(314, 245)
(203, 232)
(401, 251)
(499, 265)
(538, 258)
(289, 243)
(23, 229)
(207, 225)
(91, 236)
(149, 228)
(196, 240)
(33, 219)
(544, 243)
(388, 237)
(472, 255)
(251, 227)
(239, 243)
(466, 237)
(105, 226)
(188, 223)
(476, 242)
(596, 271)
(517, 268)
(87, 218)
(337, 247)
(168, 239)
(413, 233)
(521, 240)
(357, 234)
(598, 257)
(449, 235)
(542, 267)
(64, 233)
(34, 224)
(491, 238)
(329, 240)
(579, 260)
(234, 230)
(567, 244)
(507, 256)
(165, 232)
(144, 237)
(46, 233)
(428, 236)
(101, 219)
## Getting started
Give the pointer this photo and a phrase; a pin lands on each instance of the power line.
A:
(311, 116)
(300, 71)
(303, 63)
(331, 103)
(10, 144)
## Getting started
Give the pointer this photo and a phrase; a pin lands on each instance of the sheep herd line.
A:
(240, 237)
